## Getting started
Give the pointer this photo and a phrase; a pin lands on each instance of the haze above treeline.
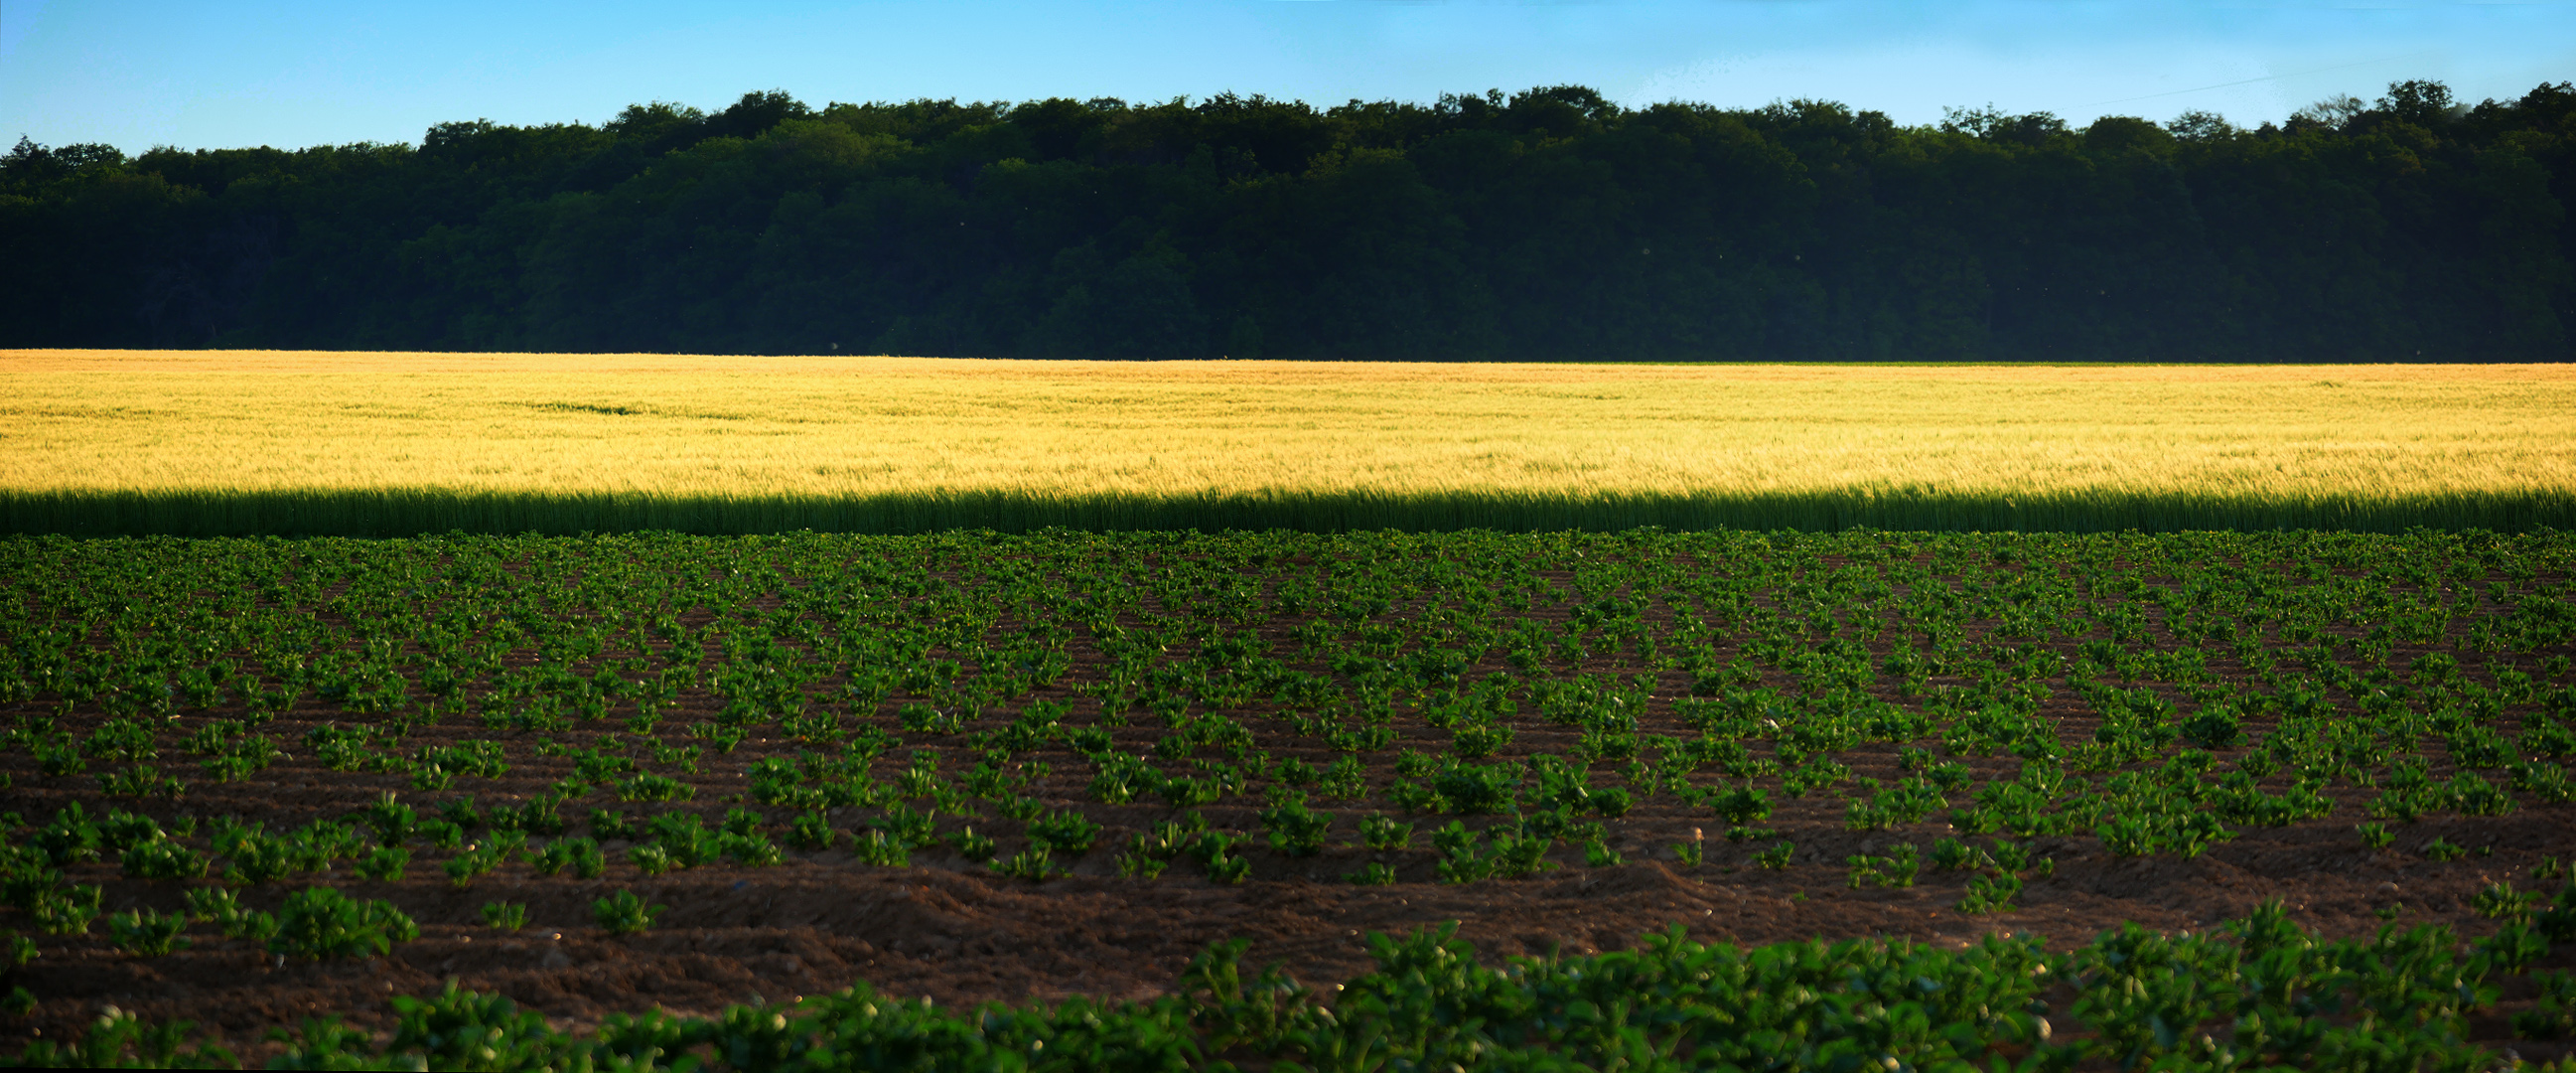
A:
(1545, 225)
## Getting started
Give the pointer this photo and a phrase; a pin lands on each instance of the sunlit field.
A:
(201, 442)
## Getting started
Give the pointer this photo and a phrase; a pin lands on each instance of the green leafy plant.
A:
(57, 759)
(972, 846)
(610, 825)
(390, 822)
(1462, 859)
(1170, 838)
(384, 864)
(2499, 901)
(1189, 792)
(913, 828)
(70, 837)
(122, 831)
(1517, 854)
(431, 776)
(877, 848)
(2007, 855)
(1741, 805)
(647, 787)
(623, 913)
(464, 868)
(650, 858)
(1951, 855)
(751, 850)
(1896, 869)
(811, 832)
(321, 922)
(1475, 741)
(1215, 850)
(1807, 654)
(163, 861)
(2128, 836)
(443, 834)
(1385, 833)
(1030, 864)
(148, 933)
(1777, 857)
(1296, 830)
(253, 925)
(2213, 727)
(505, 916)
(581, 855)
(141, 780)
(1991, 893)
(213, 904)
(67, 911)
(1065, 832)
(1223, 869)
(253, 858)
(2552, 1014)
(1473, 789)
(1598, 854)
(1690, 854)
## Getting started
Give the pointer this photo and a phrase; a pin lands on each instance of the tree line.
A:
(1549, 224)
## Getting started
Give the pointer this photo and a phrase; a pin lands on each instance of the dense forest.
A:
(1550, 224)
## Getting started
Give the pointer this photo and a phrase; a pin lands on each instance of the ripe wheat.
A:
(202, 442)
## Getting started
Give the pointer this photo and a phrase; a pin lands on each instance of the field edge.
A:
(401, 512)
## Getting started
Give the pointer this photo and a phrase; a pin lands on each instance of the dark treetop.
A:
(1550, 224)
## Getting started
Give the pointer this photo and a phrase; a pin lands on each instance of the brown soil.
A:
(950, 930)
(958, 934)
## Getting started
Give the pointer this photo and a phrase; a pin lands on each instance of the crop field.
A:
(1072, 800)
(202, 443)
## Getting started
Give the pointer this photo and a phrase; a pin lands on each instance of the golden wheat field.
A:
(208, 441)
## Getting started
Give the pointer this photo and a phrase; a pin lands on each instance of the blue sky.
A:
(206, 73)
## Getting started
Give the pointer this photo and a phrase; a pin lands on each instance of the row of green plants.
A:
(1470, 707)
(2225, 681)
(314, 924)
(2257, 993)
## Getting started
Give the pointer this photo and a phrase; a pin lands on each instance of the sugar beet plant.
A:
(2157, 696)
(1230, 708)
(2257, 993)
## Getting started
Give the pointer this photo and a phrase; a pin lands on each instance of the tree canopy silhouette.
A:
(1550, 224)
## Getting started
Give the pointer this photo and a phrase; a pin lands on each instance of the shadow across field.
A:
(408, 512)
